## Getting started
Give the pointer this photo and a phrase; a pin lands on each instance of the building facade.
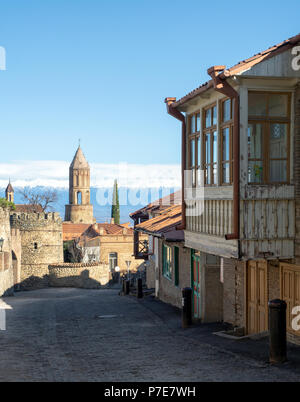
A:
(107, 243)
(240, 172)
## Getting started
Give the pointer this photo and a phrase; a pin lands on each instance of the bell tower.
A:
(79, 209)
(9, 192)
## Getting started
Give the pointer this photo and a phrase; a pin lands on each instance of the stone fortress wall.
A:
(41, 243)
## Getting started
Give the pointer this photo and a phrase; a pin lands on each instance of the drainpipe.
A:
(221, 85)
(179, 116)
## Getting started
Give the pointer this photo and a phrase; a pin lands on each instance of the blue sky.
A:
(99, 70)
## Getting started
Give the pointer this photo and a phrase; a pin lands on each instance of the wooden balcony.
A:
(267, 222)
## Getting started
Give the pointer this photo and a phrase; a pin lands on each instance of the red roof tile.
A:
(28, 208)
(166, 222)
(72, 230)
(160, 204)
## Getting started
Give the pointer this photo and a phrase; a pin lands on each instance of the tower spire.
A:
(79, 209)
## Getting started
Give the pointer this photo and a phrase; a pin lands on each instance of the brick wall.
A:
(123, 245)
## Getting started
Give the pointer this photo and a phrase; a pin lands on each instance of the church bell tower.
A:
(9, 192)
(79, 209)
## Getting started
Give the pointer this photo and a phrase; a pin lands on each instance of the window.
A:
(92, 257)
(167, 261)
(79, 198)
(35, 246)
(210, 146)
(268, 137)
(113, 261)
(194, 126)
(226, 141)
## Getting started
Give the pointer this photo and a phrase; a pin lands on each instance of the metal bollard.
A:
(127, 287)
(186, 307)
(139, 288)
(277, 325)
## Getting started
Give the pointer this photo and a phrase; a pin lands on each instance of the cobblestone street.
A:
(57, 335)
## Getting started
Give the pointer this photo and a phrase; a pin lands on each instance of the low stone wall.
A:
(86, 276)
(6, 283)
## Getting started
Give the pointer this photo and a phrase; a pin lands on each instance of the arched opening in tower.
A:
(79, 198)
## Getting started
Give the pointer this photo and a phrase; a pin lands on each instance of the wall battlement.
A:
(37, 216)
(77, 265)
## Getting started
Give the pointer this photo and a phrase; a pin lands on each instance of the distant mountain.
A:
(130, 200)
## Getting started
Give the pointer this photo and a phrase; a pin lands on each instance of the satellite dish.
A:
(117, 269)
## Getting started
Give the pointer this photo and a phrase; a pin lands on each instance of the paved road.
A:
(57, 335)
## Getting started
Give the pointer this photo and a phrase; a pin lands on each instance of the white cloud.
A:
(56, 174)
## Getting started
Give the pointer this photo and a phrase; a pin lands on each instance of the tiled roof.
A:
(164, 223)
(160, 204)
(111, 229)
(28, 208)
(72, 230)
(9, 188)
(242, 66)
(79, 160)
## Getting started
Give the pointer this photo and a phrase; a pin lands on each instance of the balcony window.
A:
(268, 138)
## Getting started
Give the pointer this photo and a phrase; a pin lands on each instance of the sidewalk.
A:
(253, 349)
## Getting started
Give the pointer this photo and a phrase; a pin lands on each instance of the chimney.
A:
(101, 231)
(124, 231)
(112, 221)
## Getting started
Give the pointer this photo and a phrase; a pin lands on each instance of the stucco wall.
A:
(87, 276)
(213, 294)
(6, 282)
(168, 292)
(6, 271)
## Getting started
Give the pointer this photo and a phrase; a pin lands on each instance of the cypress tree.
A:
(115, 208)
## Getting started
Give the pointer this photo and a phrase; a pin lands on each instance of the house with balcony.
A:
(241, 180)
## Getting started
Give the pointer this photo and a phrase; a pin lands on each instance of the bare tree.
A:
(45, 199)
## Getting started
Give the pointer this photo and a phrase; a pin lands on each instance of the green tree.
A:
(7, 204)
(115, 208)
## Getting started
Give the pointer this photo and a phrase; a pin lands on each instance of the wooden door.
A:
(290, 291)
(257, 300)
(196, 285)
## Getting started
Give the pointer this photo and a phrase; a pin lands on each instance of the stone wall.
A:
(42, 244)
(233, 292)
(87, 276)
(168, 292)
